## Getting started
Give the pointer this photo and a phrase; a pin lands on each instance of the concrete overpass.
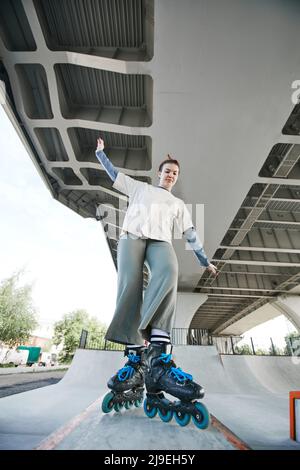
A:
(209, 83)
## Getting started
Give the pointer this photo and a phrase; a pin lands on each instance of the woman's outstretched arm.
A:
(105, 162)
(192, 238)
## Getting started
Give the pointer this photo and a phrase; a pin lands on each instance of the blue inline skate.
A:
(127, 385)
(162, 375)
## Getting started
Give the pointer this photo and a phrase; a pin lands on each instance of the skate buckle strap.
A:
(133, 358)
(125, 373)
(166, 358)
(180, 375)
(176, 371)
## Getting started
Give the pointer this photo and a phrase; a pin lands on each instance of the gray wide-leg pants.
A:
(136, 314)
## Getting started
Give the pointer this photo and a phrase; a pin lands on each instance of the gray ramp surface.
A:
(257, 409)
(247, 394)
(131, 430)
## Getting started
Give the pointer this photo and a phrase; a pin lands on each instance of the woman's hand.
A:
(100, 144)
(212, 269)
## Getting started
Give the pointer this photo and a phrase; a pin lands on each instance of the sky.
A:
(63, 255)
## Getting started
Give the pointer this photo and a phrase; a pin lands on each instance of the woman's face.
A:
(168, 175)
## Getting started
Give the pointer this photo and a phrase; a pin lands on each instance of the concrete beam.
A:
(256, 263)
(243, 289)
(285, 181)
(259, 248)
(259, 316)
(187, 304)
(289, 139)
(281, 222)
(290, 307)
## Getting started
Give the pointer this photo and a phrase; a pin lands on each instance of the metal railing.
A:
(238, 346)
(191, 337)
(86, 342)
(179, 337)
(201, 337)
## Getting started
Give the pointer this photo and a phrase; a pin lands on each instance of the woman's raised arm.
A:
(105, 162)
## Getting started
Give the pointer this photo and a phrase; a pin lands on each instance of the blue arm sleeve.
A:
(107, 165)
(191, 236)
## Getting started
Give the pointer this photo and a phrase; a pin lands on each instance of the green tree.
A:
(261, 352)
(48, 345)
(244, 349)
(275, 351)
(17, 313)
(68, 330)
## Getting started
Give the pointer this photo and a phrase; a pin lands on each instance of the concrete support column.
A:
(187, 304)
(289, 305)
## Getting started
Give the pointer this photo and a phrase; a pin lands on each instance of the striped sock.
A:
(160, 336)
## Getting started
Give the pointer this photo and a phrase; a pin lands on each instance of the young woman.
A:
(146, 237)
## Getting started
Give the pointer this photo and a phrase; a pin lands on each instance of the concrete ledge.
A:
(229, 435)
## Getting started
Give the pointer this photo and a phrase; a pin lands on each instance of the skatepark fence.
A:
(179, 337)
(201, 337)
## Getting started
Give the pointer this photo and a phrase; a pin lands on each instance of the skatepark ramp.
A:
(28, 418)
(249, 395)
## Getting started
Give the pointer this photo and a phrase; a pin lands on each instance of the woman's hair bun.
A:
(169, 159)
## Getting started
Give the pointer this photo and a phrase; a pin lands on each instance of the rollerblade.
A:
(127, 385)
(162, 375)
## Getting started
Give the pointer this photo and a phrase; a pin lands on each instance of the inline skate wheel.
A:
(118, 407)
(202, 418)
(107, 403)
(149, 410)
(165, 415)
(138, 403)
(182, 419)
(128, 404)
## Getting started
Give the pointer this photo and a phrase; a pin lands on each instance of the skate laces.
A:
(133, 358)
(166, 358)
(127, 371)
(177, 372)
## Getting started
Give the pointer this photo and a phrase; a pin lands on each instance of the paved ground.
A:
(18, 383)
